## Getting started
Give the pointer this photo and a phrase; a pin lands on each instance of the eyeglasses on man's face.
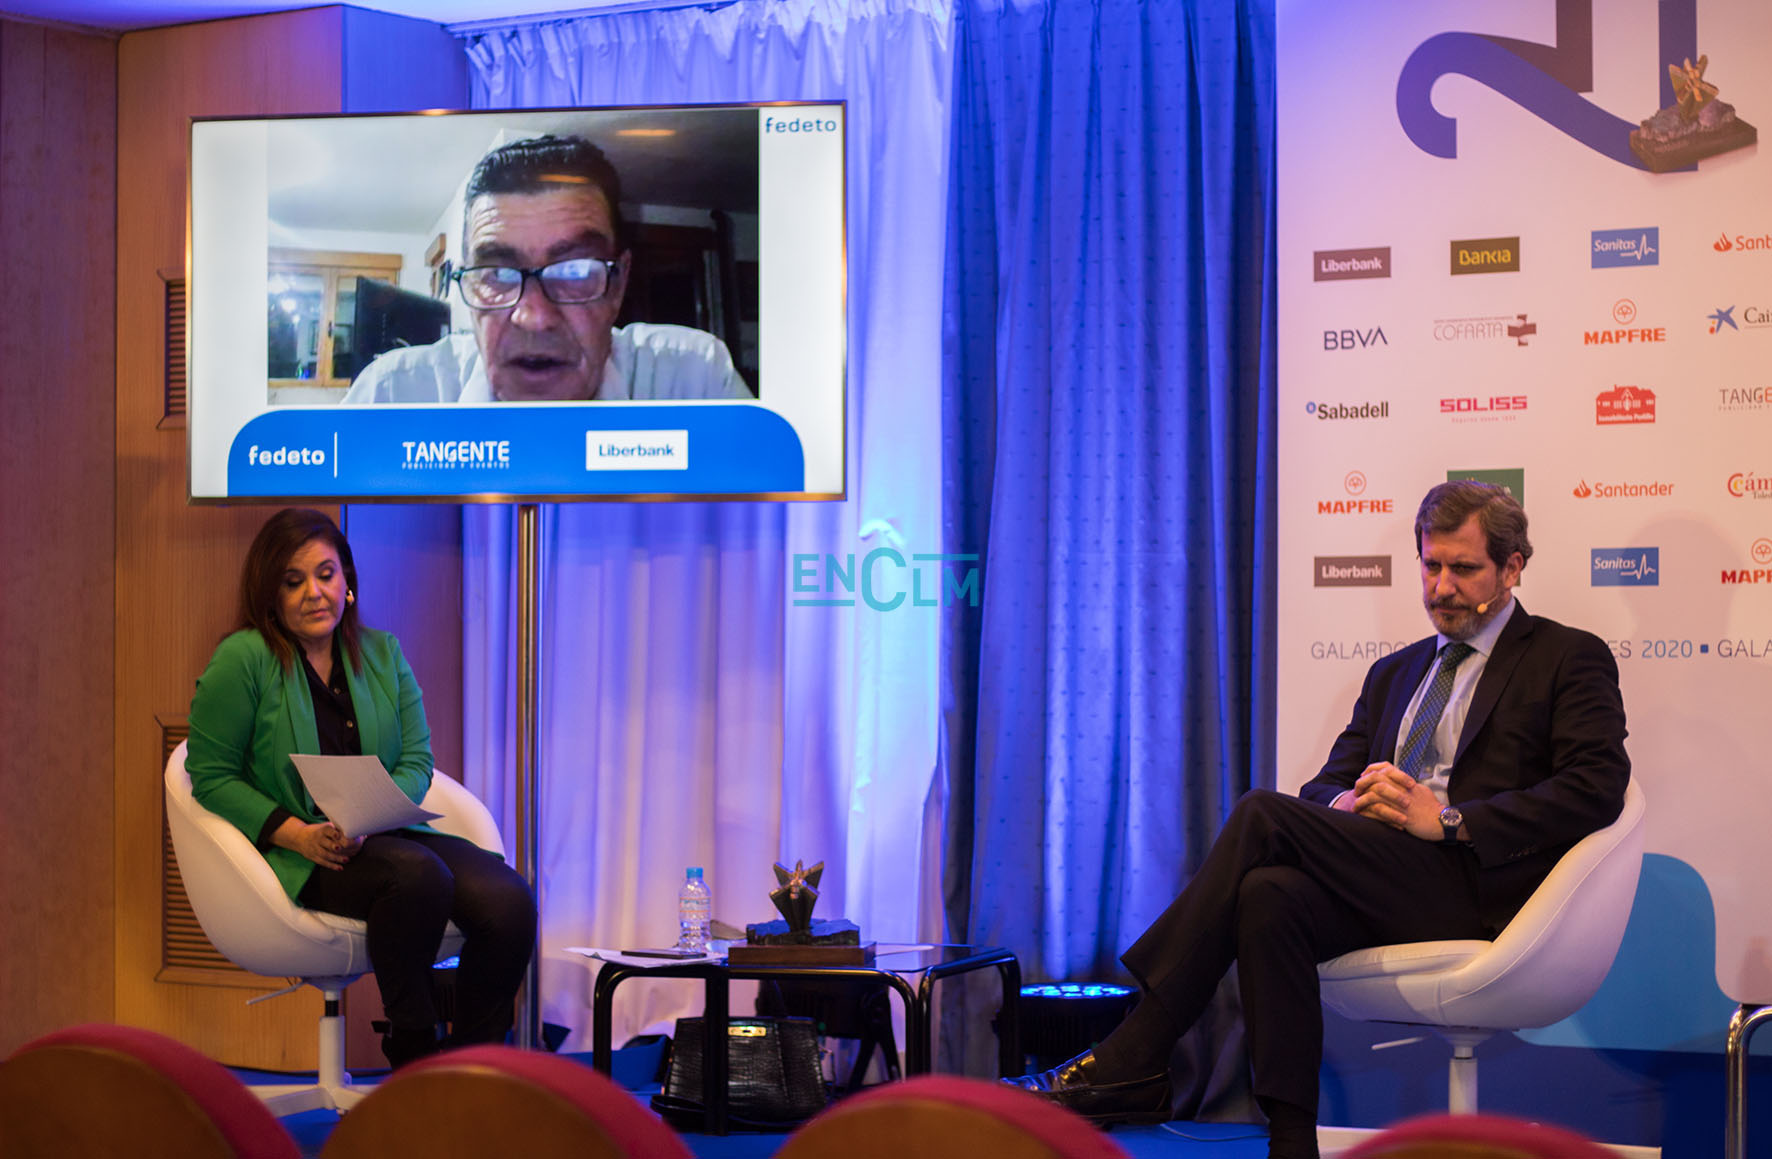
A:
(569, 283)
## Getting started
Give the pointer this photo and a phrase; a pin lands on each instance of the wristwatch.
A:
(1450, 820)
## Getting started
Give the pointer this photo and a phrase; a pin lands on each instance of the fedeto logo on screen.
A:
(798, 124)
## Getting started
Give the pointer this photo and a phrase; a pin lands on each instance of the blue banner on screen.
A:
(505, 450)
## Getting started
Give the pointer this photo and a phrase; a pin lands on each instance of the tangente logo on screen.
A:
(444, 454)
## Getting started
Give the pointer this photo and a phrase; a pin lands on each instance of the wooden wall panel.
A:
(57, 214)
(177, 565)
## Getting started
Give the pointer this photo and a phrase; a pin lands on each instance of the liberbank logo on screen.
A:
(1341, 265)
(1626, 567)
(1486, 255)
(1626, 247)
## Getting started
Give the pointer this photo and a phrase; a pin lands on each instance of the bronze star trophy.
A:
(1697, 125)
(795, 939)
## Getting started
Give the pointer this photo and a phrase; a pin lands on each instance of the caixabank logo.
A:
(1547, 81)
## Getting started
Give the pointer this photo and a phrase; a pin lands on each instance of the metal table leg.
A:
(1742, 1025)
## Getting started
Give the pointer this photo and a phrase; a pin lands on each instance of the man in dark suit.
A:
(1473, 760)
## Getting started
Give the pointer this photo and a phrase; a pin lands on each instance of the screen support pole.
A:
(528, 1028)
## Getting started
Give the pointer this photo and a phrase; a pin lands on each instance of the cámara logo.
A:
(1486, 255)
(1626, 567)
(1650, 490)
(1624, 404)
(1626, 247)
(1747, 485)
(1344, 265)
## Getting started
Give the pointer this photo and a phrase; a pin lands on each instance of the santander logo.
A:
(1583, 491)
(1721, 245)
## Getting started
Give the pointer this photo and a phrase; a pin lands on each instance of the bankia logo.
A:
(1626, 567)
(1513, 329)
(1742, 243)
(1626, 247)
(1627, 332)
(1351, 571)
(1486, 255)
(1760, 551)
(1346, 265)
(1749, 485)
(1624, 405)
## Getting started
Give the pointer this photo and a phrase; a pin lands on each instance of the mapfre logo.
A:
(1627, 331)
(1493, 408)
(1748, 485)
(1761, 573)
(1486, 255)
(1624, 405)
(1354, 483)
(1742, 243)
(1651, 489)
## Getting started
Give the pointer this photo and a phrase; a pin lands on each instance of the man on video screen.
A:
(545, 265)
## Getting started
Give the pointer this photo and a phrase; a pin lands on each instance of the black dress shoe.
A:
(1073, 1086)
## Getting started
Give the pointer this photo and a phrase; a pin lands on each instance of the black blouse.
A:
(335, 719)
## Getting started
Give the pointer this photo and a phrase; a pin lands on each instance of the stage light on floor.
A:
(1061, 1019)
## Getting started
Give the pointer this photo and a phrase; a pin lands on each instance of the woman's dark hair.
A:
(276, 543)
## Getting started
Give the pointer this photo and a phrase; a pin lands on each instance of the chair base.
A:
(284, 1099)
(1333, 1141)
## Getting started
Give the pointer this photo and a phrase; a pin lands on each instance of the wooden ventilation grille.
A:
(175, 348)
(182, 941)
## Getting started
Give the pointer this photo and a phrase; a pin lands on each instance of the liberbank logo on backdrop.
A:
(1547, 81)
(1351, 571)
(1344, 265)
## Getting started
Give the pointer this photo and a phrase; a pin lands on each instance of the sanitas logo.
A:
(439, 454)
(1626, 247)
(1351, 571)
(1624, 312)
(1345, 265)
(1623, 405)
(1761, 551)
(1747, 485)
(1354, 339)
(1486, 255)
(1334, 412)
(1650, 490)
(285, 456)
(1743, 398)
(1742, 243)
(1504, 327)
(1626, 567)
(1490, 409)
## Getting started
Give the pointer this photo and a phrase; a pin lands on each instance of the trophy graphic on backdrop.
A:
(795, 939)
(1697, 125)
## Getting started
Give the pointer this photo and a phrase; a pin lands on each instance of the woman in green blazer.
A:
(302, 675)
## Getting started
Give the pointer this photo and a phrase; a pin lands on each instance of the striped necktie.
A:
(1418, 750)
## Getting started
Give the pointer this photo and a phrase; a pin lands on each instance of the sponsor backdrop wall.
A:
(1489, 268)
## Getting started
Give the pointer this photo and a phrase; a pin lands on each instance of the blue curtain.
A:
(1108, 428)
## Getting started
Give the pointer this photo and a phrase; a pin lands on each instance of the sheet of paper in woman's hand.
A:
(357, 794)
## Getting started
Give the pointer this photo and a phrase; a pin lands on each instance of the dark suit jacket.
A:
(1540, 763)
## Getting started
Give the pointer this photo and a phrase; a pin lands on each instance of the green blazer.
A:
(250, 712)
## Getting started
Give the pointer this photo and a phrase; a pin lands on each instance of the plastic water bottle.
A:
(695, 912)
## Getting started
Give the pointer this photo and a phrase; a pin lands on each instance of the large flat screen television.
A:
(634, 303)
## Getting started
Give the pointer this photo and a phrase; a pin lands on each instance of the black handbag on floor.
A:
(773, 1079)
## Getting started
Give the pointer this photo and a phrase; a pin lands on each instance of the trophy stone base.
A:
(831, 943)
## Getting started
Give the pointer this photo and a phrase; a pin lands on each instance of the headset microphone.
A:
(1483, 608)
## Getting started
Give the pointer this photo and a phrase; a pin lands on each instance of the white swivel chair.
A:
(245, 913)
(1542, 968)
